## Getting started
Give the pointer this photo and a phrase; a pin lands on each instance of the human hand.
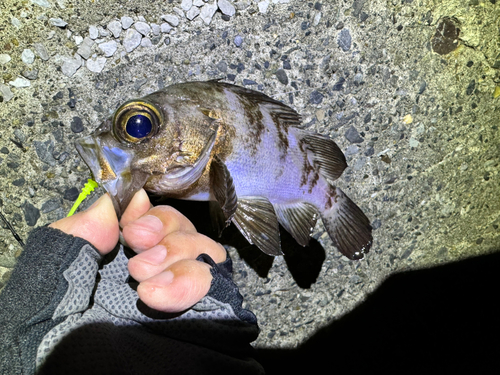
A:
(170, 278)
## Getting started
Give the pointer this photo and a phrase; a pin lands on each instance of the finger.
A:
(173, 248)
(137, 207)
(149, 229)
(178, 288)
(98, 225)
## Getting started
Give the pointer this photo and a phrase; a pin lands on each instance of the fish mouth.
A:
(110, 165)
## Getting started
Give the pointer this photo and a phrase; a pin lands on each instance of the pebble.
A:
(70, 66)
(193, 13)
(42, 3)
(146, 42)
(198, 3)
(4, 58)
(78, 39)
(132, 40)
(316, 97)
(282, 77)
(115, 27)
(51, 205)
(142, 27)
(171, 19)
(108, 48)
(165, 27)
(96, 65)
(28, 56)
(15, 22)
(71, 194)
(186, 4)
(42, 51)
(77, 125)
(207, 12)
(238, 41)
(85, 49)
(226, 8)
(126, 22)
(44, 151)
(353, 136)
(414, 142)
(316, 19)
(31, 214)
(20, 82)
(155, 28)
(6, 93)
(58, 22)
(345, 40)
(102, 32)
(30, 74)
(19, 182)
(263, 5)
(93, 32)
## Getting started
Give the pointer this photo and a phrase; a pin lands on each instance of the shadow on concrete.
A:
(443, 320)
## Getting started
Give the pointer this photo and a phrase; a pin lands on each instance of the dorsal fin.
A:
(326, 155)
(298, 219)
(286, 115)
(256, 220)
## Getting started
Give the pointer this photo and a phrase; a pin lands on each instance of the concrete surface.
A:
(408, 89)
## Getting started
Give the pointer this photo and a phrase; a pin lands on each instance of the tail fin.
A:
(348, 227)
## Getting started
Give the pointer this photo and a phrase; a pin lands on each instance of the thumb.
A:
(98, 225)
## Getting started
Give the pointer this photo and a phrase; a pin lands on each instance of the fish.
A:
(244, 152)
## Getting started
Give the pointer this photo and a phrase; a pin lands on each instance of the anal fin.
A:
(298, 219)
(348, 227)
(256, 220)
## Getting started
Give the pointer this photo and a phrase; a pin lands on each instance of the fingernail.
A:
(164, 278)
(155, 255)
(150, 223)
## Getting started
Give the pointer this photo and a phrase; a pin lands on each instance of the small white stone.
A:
(42, 3)
(226, 8)
(15, 22)
(171, 19)
(192, 13)
(414, 142)
(115, 27)
(132, 40)
(102, 31)
(28, 56)
(57, 22)
(207, 12)
(93, 32)
(42, 51)
(141, 18)
(96, 65)
(186, 4)
(165, 27)
(20, 82)
(142, 27)
(198, 3)
(4, 58)
(316, 19)
(126, 22)
(6, 93)
(85, 49)
(155, 28)
(263, 5)
(78, 39)
(179, 11)
(146, 42)
(108, 48)
(70, 66)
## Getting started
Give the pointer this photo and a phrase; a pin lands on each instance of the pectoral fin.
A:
(256, 220)
(224, 192)
(298, 219)
(326, 155)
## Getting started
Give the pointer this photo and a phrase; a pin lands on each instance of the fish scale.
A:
(238, 148)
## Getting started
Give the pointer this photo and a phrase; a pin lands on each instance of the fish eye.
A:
(136, 121)
(138, 126)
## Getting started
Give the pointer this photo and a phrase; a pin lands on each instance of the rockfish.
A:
(241, 150)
